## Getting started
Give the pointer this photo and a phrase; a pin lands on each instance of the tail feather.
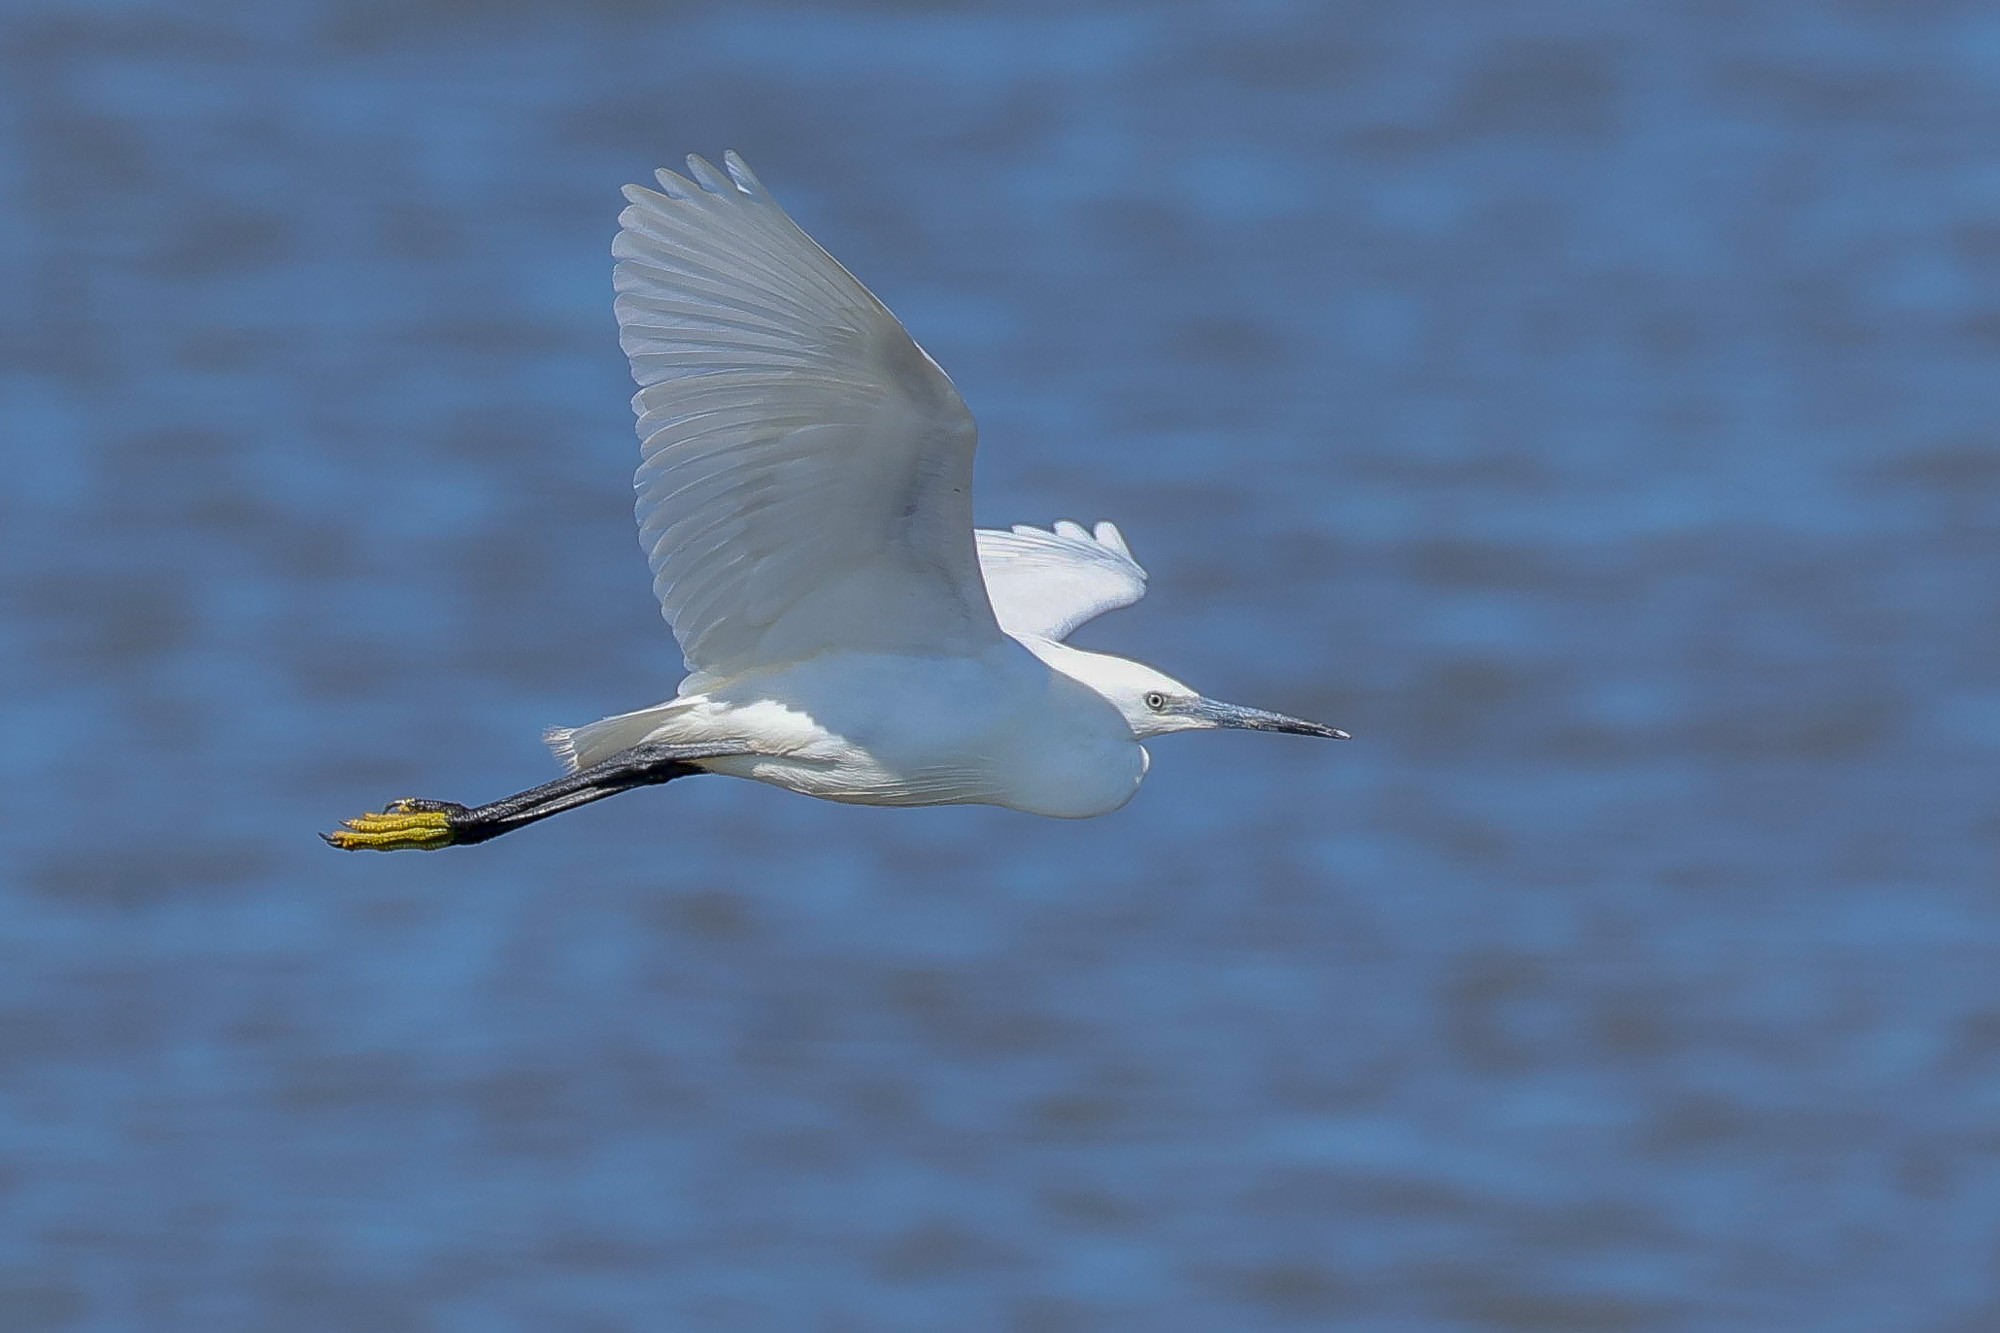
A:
(562, 743)
(580, 747)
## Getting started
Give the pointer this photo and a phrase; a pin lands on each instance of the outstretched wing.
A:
(1046, 583)
(806, 481)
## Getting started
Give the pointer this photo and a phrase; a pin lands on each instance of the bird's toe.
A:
(404, 826)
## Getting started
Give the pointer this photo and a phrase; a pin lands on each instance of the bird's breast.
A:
(1078, 781)
(1066, 752)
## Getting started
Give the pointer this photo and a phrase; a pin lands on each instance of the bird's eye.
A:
(1157, 702)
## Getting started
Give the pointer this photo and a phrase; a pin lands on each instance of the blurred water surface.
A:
(1590, 407)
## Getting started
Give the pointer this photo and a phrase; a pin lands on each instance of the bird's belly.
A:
(928, 733)
(1072, 784)
(854, 778)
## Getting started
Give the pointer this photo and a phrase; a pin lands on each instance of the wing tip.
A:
(703, 179)
(703, 182)
(739, 171)
(1103, 533)
(710, 180)
(675, 186)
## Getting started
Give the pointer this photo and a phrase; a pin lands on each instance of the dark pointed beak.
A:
(1256, 719)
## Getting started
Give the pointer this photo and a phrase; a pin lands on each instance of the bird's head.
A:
(1154, 703)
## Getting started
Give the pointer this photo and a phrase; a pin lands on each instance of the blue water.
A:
(1590, 407)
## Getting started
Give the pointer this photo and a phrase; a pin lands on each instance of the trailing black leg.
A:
(423, 825)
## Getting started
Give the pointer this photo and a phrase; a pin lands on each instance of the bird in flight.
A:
(805, 500)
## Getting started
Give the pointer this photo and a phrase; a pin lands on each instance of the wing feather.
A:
(1044, 583)
(806, 470)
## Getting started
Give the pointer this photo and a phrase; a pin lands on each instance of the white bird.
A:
(805, 499)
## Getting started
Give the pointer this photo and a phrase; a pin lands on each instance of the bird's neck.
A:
(1101, 673)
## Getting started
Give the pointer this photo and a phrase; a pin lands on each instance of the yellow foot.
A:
(407, 825)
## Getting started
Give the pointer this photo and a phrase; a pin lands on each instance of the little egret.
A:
(805, 499)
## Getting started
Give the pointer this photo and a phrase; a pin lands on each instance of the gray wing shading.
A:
(806, 474)
(1045, 583)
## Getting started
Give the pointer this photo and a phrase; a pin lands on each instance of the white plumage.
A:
(1044, 584)
(805, 501)
(807, 473)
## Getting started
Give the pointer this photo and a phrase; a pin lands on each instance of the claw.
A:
(407, 825)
